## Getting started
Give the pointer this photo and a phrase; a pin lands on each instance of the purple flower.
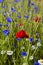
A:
(0, 24)
(36, 63)
(18, 0)
(8, 19)
(29, 2)
(32, 3)
(31, 39)
(7, 25)
(26, 16)
(19, 16)
(18, 39)
(13, 10)
(6, 32)
(36, 9)
(16, 25)
(23, 53)
(1, 1)
(14, 45)
(4, 6)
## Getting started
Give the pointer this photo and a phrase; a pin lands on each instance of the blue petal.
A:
(4, 6)
(6, 25)
(36, 9)
(18, 0)
(31, 39)
(6, 32)
(25, 16)
(32, 3)
(16, 25)
(1, 1)
(18, 39)
(36, 63)
(19, 16)
(8, 19)
(13, 10)
(0, 24)
(23, 53)
(14, 45)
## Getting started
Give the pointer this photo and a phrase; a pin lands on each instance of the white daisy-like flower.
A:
(3, 51)
(24, 57)
(22, 47)
(33, 47)
(31, 58)
(38, 44)
(40, 61)
(9, 52)
(25, 63)
(27, 39)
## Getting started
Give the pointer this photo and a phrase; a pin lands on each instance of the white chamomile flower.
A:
(25, 63)
(3, 52)
(24, 57)
(22, 47)
(9, 52)
(33, 47)
(38, 44)
(40, 61)
(31, 58)
(27, 39)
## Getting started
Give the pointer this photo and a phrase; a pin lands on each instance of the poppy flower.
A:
(36, 19)
(21, 34)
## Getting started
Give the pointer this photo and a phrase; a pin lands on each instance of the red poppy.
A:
(21, 34)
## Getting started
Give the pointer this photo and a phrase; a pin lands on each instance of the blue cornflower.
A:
(23, 53)
(29, 2)
(8, 19)
(17, 0)
(14, 45)
(4, 6)
(18, 39)
(6, 32)
(1, 1)
(36, 9)
(6, 25)
(32, 3)
(0, 24)
(31, 39)
(26, 16)
(19, 16)
(17, 25)
(13, 10)
(36, 63)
